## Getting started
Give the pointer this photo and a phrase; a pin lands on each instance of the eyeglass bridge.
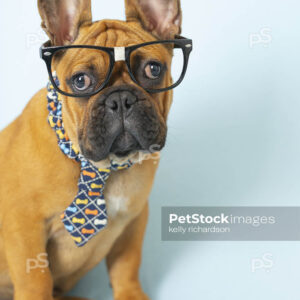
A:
(119, 53)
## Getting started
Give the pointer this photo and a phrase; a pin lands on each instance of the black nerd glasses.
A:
(147, 65)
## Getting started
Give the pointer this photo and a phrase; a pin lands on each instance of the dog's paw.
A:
(133, 294)
(69, 298)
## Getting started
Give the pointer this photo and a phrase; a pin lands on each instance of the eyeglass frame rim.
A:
(179, 42)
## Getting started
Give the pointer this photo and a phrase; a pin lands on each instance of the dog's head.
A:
(123, 118)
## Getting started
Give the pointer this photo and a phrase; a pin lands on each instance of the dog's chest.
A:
(116, 205)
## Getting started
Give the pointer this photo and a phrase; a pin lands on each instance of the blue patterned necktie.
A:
(86, 215)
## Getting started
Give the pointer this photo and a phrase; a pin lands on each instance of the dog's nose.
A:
(120, 101)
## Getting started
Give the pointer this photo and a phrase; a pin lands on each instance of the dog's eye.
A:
(153, 70)
(81, 82)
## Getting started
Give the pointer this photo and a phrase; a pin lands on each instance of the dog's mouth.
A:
(124, 145)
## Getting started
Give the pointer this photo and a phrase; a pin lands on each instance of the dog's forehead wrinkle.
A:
(113, 33)
(116, 38)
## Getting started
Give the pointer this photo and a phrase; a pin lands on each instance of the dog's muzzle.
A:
(123, 120)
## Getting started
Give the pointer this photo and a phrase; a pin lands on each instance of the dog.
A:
(119, 122)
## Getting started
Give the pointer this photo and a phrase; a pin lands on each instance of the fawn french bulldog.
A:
(106, 104)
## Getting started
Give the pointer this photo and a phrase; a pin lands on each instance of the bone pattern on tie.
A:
(86, 215)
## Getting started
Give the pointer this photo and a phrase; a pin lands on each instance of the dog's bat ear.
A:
(160, 17)
(61, 19)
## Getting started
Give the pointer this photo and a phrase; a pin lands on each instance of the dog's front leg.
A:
(124, 260)
(25, 246)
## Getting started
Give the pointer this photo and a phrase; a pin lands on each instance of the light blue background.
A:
(234, 139)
